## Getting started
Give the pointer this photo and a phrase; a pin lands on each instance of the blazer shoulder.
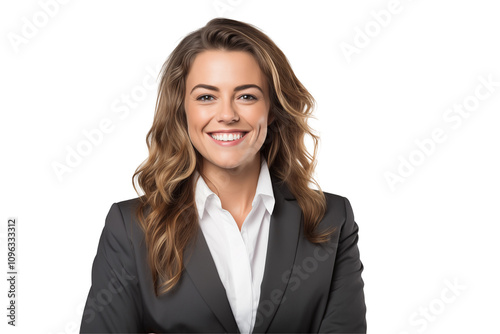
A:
(336, 202)
(330, 197)
(338, 211)
(128, 209)
(122, 219)
(128, 205)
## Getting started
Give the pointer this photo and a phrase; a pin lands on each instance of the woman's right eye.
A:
(205, 98)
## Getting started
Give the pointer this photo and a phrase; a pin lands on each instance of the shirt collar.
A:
(264, 190)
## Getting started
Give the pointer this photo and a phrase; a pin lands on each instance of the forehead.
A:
(220, 68)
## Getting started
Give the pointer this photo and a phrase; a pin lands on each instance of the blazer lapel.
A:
(284, 231)
(203, 272)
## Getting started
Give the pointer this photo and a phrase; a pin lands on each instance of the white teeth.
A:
(226, 137)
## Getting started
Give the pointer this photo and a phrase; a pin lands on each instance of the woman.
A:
(228, 236)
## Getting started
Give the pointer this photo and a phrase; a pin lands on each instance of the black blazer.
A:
(306, 288)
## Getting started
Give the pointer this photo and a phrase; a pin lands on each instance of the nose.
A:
(227, 112)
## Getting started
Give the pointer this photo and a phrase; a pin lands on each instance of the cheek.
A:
(261, 122)
(193, 119)
(191, 125)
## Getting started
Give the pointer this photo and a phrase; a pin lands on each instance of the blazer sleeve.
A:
(346, 309)
(114, 302)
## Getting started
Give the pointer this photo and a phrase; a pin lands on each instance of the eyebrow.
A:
(236, 89)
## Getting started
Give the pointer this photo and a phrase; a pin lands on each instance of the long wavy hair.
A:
(167, 210)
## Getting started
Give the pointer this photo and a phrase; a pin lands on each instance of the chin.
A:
(227, 163)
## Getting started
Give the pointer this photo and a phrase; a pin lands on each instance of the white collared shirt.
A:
(239, 256)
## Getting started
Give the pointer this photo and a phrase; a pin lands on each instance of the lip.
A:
(228, 143)
(228, 131)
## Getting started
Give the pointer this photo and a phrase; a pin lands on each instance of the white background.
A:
(438, 224)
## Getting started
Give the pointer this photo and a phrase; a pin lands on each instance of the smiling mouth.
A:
(227, 137)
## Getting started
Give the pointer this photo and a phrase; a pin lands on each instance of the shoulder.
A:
(123, 210)
(337, 204)
(338, 213)
(338, 208)
(334, 199)
(129, 206)
(121, 221)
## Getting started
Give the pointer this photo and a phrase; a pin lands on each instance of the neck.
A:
(235, 187)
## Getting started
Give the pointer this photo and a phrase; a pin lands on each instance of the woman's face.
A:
(227, 98)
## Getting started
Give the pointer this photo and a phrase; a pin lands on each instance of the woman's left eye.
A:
(248, 97)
